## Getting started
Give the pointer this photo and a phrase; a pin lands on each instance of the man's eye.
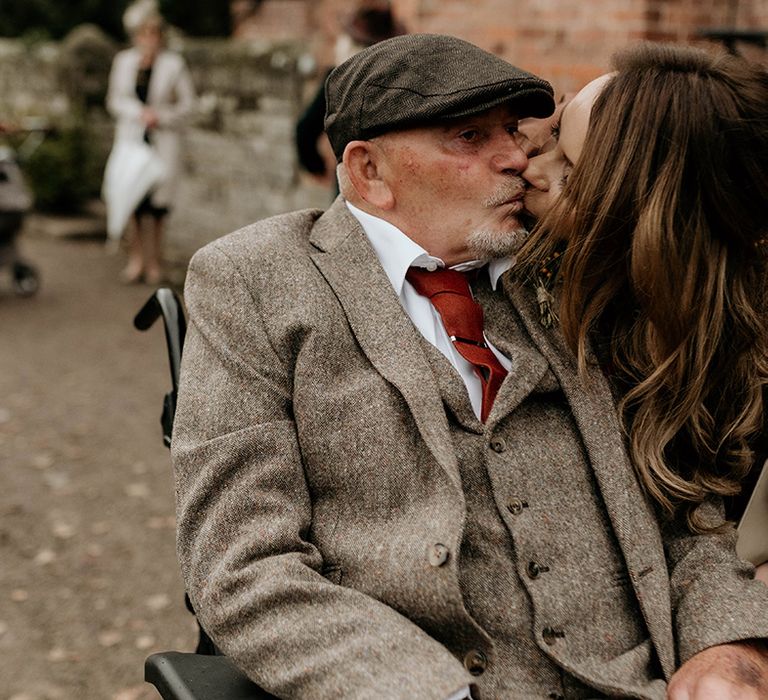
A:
(555, 129)
(469, 135)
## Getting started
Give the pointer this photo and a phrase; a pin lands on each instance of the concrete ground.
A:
(88, 576)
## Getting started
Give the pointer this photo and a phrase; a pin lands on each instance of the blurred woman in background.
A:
(150, 95)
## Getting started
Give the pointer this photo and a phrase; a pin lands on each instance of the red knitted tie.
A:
(462, 317)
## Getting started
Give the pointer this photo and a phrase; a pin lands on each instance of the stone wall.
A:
(29, 82)
(240, 162)
(239, 156)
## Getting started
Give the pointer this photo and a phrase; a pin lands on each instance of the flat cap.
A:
(419, 79)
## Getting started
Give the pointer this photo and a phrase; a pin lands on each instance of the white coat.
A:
(172, 96)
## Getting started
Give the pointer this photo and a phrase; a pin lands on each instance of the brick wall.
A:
(277, 19)
(567, 41)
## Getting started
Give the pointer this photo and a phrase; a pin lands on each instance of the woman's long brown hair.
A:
(664, 219)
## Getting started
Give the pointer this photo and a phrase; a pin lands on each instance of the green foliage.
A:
(55, 19)
(63, 172)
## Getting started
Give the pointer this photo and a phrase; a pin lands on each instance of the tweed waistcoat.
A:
(491, 587)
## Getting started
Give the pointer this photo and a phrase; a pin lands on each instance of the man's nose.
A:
(510, 156)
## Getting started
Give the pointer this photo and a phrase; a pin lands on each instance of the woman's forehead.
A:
(574, 120)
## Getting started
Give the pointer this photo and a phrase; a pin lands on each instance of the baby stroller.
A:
(15, 202)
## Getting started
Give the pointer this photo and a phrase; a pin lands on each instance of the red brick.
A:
(567, 41)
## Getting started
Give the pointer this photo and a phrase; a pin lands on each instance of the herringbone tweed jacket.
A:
(315, 474)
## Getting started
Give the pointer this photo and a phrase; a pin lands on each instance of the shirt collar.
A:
(397, 252)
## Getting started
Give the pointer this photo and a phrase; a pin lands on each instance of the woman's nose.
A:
(535, 173)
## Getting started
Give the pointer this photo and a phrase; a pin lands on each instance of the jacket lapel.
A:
(156, 79)
(386, 335)
(452, 388)
(632, 517)
(529, 366)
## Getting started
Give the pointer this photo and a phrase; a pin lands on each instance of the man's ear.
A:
(363, 161)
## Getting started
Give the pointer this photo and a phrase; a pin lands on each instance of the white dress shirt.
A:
(396, 253)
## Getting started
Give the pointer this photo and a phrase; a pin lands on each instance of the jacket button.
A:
(534, 569)
(516, 505)
(551, 635)
(438, 554)
(498, 444)
(475, 662)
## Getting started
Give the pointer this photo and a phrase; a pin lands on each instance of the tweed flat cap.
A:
(419, 79)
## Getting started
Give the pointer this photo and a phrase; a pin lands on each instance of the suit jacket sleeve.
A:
(245, 515)
(715, 599)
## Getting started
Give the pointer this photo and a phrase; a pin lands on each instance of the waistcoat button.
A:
(516, 505)
(534, 569)
(498, 444)
(475, 662)
(438, 554)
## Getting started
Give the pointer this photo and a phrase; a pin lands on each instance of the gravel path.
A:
(88, 576)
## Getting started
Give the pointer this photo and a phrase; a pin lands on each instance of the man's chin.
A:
(485, 244)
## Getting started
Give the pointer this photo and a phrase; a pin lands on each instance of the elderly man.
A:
(390, 486)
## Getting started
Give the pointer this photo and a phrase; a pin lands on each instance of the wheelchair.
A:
(206, 674)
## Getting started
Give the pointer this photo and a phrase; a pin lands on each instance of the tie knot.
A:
(429, 283)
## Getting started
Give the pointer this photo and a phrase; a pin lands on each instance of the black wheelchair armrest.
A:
(164, 303)
(180, 676)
